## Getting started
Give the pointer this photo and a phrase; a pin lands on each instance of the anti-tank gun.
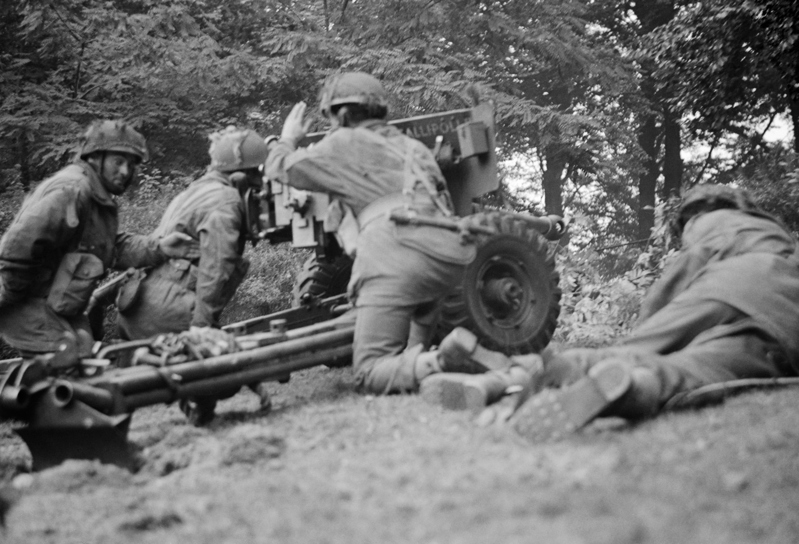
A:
(81, 407)
(509, 296)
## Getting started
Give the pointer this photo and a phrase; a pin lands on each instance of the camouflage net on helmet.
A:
(708, 197)
(354, 88)
(110, 135)
(236, 149)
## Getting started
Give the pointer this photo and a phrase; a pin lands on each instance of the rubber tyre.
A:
(521, 257)
(322, 278)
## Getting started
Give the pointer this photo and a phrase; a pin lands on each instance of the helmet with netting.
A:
(708, 197)
(354, 88)
(113, 136)
(236, 149)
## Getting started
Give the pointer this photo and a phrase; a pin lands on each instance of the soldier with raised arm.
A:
(400, 272)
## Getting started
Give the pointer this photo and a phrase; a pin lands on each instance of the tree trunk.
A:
(647, 182)
(652, 14)
(793, 98)
(24, 164)
(672, 161)
(553, 192)
(553, 187)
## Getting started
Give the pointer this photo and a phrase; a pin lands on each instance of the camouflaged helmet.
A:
(113, 136)
(236, 149)
(353, 88)
(707, 197)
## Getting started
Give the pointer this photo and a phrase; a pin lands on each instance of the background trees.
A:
(607, 107)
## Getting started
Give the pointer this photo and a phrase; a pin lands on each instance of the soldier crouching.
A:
(400, 272)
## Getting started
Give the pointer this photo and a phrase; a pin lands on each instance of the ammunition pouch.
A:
(128, 294)
(77, 275)
(180, 271)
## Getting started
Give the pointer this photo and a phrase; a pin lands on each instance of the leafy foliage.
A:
(565, 77)
(602, 291)
(173, 67)
(729, 64)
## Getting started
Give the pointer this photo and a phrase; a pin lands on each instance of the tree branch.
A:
(707, 160)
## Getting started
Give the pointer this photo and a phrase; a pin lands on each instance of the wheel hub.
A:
(505, 291)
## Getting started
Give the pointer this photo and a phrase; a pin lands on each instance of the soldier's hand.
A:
(294, 127)
(179, 245)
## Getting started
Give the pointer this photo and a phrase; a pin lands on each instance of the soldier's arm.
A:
(310, 169)
(220, 262)
(145, 251)
(137, 251)
(677, 277)
(30, 248)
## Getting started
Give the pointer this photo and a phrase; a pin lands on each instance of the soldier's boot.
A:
(459, 391)
(610, 388)
(262, 390)
(642, 399)
(460, 352)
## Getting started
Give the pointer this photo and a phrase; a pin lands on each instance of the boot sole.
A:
(449, 391)
(553, 414)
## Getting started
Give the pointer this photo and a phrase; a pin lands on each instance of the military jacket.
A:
(370, 164)
(211, 211)
(745, 260)
(70, 211)
(355, 165)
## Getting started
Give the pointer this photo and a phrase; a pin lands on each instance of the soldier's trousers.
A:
(164, 303)
(33, 327)
(691, 344)
(388, 341)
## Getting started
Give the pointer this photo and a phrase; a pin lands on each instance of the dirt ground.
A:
(328, 465)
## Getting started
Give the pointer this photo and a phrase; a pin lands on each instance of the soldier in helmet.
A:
(64, 238)
(184, 293)
(726, 309)
(400, 272)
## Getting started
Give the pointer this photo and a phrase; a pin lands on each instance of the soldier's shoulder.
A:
(212, 191)
(71, 180)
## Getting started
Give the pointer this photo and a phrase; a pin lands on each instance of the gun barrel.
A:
(14, 398)
(553, 227)
(258, 373)
(152, 376)
(64, 392)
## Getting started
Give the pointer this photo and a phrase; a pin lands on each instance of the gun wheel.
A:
(321, 278)
(509, 297)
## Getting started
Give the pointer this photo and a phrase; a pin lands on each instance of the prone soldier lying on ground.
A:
(64, 239)
(725, 313)
(401, 271)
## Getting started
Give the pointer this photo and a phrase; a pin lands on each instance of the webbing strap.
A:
(414, 175)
